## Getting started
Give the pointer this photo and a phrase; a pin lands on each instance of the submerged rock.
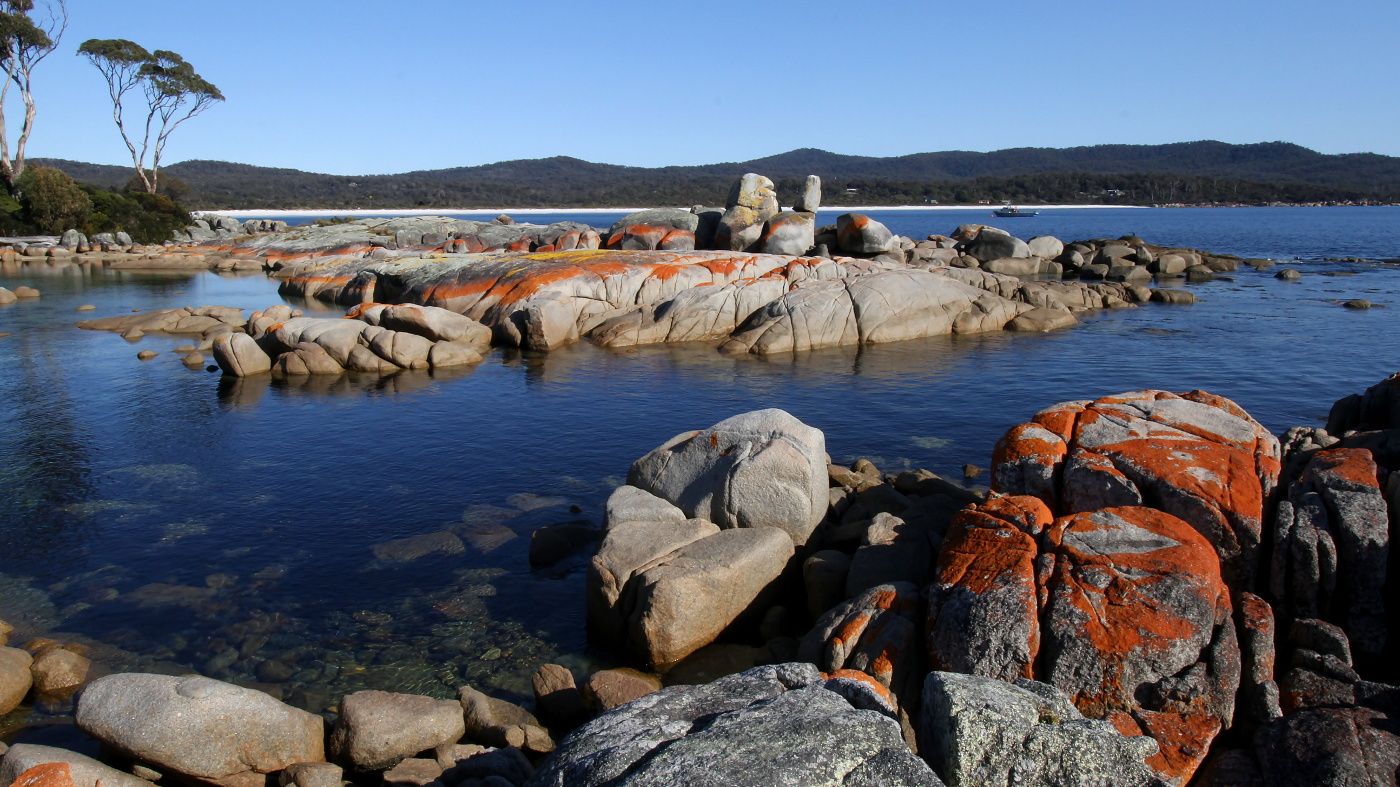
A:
(15, 678)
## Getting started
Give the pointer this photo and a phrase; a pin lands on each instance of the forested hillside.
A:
(1190, 172)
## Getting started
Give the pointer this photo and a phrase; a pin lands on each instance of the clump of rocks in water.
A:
(1154, 590)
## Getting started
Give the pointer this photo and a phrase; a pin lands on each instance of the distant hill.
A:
(1193, 172)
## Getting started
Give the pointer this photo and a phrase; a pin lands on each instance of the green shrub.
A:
(52, 201)
(148, 218)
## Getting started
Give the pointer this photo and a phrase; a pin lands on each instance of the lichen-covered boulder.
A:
(767, 726)
(1197, 456)
(1123, 609)
(789, 232)
(199, 727)
(982, 731)
(857, 233)
(989, 244)
(752, 202)
(983, 603)
(759, 469)
(1137, 629)
(876, 633)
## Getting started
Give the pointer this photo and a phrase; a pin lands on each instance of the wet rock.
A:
(819, 738)
(1354, 303)
(981, 731)
(1042, 321)
(58, 671)
(1289, 274)
(83, 770)
(404, 550)
(763, 469)
(184, 321)
(15, 678)
(377, 729)
(5, 631)
(557, 697)
(23, 292)
(147, 355)
(553, 543)
(613, 688)
(1197, 456)
(1174, 297)
(199, 727)
(499, 723)
(7, 296)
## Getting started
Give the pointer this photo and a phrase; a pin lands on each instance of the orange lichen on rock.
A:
(48, 774)
(1196, 455)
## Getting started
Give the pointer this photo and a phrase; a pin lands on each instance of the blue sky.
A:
(355, 87)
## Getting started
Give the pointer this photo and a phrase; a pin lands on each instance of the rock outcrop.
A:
(1122, 608)
(982, 731)
(1196, 456)
(766, 726)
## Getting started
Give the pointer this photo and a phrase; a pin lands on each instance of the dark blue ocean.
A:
(171, 521)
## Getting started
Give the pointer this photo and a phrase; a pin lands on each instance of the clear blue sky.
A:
(356, 87)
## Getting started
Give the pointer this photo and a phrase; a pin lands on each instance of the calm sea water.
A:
(172, 521)
(1276, 233)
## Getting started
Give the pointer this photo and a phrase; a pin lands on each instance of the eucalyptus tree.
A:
(29, 32)
(173, 92)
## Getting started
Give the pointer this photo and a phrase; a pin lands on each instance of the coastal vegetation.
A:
(173, 90)
(28, 35)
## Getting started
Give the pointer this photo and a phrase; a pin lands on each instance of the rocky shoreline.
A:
(749, 278)
(1155, 590)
